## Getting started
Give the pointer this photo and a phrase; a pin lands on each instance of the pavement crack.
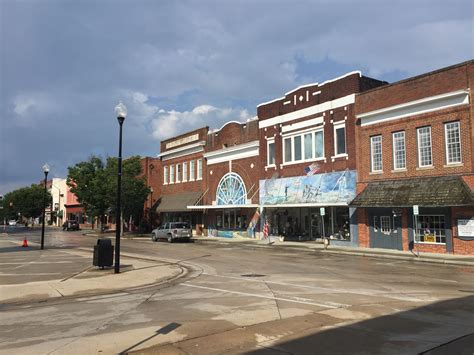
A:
(275, 298)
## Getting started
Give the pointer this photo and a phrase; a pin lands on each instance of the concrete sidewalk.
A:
(31, 274)
(449, 259)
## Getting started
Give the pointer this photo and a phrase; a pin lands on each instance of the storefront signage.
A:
(322, 211)
(337, 187)
(429, 238)
(466, 227)
(182, 141)
(416, 212)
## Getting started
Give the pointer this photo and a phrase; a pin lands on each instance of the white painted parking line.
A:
(291, 300)
(40, 262)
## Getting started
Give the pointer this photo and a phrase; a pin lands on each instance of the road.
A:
(238, 298)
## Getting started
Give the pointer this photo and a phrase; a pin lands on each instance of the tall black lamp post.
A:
(121, 112)
(46, 171)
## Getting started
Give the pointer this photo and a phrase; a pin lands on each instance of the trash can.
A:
(103, 253)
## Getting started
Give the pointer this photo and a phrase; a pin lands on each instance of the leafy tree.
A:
(27, 202)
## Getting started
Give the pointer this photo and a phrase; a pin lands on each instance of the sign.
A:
(429, 238)
(181, 141)
(322, 211)
(466, 227)
(415, 210)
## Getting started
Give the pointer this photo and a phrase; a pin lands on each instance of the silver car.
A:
(172, 231)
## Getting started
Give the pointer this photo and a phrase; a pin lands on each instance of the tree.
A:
(95, 185)
(26, 202)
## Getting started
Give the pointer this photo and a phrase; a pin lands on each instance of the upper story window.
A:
(399, 155)
(340, 139)
(191, 170)
(452, 136)
(425, 157)
(303, 147)
(271, 152)
(171, 174)
(185, 171)
(178, 172)
(376, 153)
(165, 175)
(199, 169)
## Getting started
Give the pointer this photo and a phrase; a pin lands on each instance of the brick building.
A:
(415, 163)
(181, 178)
(308, 159)
(151, 170)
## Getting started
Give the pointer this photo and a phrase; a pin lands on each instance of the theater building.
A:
(308, 160)
(182, 184)
(415, 163)
(230, 200)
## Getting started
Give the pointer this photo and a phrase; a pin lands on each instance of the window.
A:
(308, 146)
(340, 139)
(430, 229)
(185, 171)
(287, 146)
(376, 153)
(424, 147)
(165, 175)
(191, 170)
(171, 174)
(271, 152)
(297, 145)
(399, 158)
(385, 224)
(300, 147)
(179, 170)
(231, 190)
(318, 144)
(453, 142)
(199, 169)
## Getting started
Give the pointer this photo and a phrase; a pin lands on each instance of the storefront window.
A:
(430, 229)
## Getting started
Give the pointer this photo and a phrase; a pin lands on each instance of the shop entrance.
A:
(385, 229)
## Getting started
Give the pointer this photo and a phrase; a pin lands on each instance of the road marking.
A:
(295, 300)
(40, 262)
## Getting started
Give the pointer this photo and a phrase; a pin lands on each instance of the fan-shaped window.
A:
(231, 190)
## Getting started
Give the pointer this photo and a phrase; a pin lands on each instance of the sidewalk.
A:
(31, 274)
(449, 259)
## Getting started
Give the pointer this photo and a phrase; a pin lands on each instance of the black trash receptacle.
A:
(103, 253)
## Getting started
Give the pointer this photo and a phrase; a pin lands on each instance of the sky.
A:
(181, 65)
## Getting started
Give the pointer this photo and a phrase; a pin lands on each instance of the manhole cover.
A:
(252, 275)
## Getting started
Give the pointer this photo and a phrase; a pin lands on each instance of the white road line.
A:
(296, 300)
(40, 262)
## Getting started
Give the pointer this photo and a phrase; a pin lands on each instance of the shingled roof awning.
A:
(177, 202)
(428, 192)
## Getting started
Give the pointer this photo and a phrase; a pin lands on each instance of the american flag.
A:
(312, 169)
(265, 230)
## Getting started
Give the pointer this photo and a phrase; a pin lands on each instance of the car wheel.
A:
(170, 238)
(153, 237)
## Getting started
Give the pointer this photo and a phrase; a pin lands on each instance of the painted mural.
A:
(326, 188)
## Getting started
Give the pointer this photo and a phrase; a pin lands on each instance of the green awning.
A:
(429, 192)
(177, 202)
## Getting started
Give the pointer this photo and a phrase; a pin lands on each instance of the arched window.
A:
(231, 190)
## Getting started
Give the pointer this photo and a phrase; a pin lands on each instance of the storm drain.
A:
(253, 275)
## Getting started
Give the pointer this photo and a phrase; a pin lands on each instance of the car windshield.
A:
(182, 225)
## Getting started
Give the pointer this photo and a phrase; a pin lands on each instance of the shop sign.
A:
(466, 227)
(336, 187)
(182, 141)
(429, 238)
(415, 210)
(322, 211)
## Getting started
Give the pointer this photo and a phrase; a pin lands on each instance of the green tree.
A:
(26, 202)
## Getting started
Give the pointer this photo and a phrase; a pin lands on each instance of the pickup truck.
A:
(172, 231)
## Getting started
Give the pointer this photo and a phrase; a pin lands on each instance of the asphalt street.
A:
(239, 298)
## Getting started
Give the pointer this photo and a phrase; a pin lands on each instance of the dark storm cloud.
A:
(65, 64)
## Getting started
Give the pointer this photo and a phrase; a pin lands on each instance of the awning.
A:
(177, 202)
(429, 192)
(221, 207)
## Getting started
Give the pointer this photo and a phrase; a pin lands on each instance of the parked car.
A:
(12, 222)
(172, 231)
(71, 225)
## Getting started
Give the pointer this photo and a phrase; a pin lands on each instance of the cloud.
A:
(170, 123)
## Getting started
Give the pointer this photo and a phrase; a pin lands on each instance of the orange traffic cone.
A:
(25, 243)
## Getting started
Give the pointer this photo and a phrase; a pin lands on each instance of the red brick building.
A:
(151, 170)
(415, 163)
(308, 159)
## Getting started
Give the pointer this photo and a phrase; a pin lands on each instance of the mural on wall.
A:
(326, 188)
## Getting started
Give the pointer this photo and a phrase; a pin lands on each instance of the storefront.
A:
(173, 208)
(309, 207)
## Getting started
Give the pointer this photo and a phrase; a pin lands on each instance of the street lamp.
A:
(121, 112)
(46, 171)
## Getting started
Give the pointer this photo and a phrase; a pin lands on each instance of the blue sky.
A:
(179, 65)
